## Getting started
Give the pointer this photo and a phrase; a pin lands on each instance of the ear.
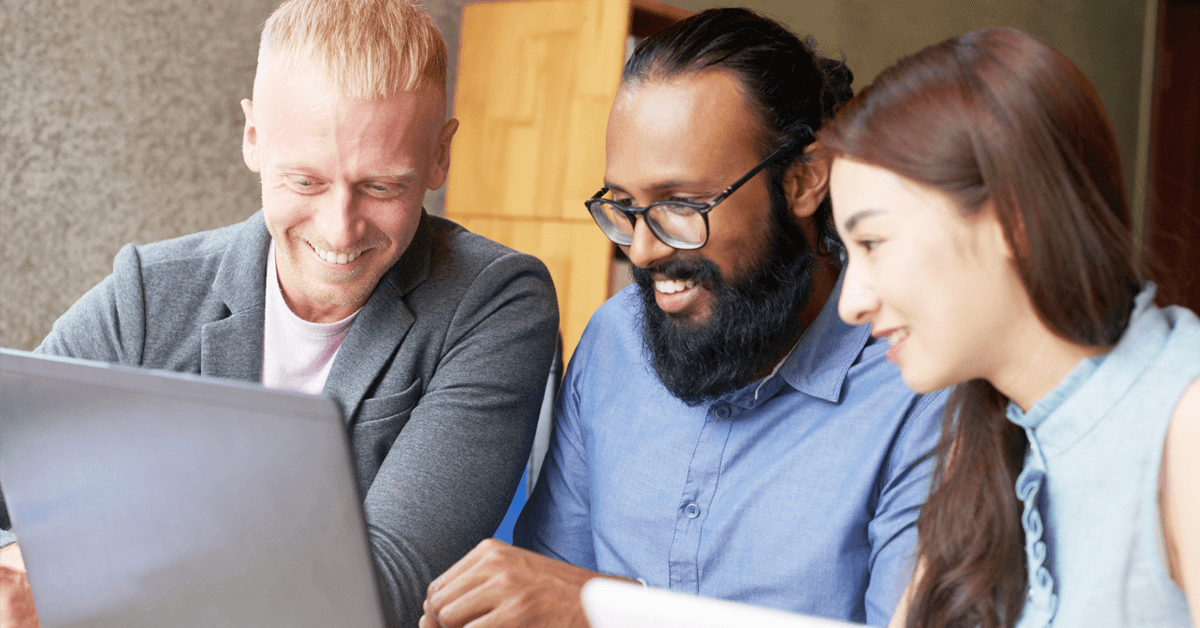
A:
(443, 154)
(1019, 247)
(250, 138)
(806, 182)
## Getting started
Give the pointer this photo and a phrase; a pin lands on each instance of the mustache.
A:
(703, 271)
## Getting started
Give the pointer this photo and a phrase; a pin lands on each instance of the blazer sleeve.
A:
(108, 323)
(450, 475)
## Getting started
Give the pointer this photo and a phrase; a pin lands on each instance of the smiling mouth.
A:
(671, 286)
(897, 336)
(331, 257)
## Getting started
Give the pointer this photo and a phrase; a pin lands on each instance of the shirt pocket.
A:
(380, 420)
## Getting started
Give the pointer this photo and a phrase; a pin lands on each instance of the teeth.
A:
(336, 258)
(897, 336)
(671, 286)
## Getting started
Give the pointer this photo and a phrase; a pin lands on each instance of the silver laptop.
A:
(614, 604)
(146, 498)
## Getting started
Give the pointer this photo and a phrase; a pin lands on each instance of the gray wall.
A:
(119, 119)
(119, 122)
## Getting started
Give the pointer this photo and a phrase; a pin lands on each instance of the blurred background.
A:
(119, 122)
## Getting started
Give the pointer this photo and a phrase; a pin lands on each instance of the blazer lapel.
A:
(232, 347)
(380, 326)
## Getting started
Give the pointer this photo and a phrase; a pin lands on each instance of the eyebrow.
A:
(853, 221)
(660, 186)
(399, 174)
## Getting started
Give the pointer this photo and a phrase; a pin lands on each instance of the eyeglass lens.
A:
(677, 225)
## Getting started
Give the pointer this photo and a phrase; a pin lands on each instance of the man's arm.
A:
(108, 323)
(893, 529)
(450, 475)
(500, 585)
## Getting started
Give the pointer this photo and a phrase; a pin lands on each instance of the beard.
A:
(749, 323)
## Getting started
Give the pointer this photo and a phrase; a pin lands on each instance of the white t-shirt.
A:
(297, 354)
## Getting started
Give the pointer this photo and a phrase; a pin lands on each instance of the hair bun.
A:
(837, 90)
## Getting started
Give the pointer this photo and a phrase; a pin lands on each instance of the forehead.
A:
(870, 196)
(688, 127)
(297, 105)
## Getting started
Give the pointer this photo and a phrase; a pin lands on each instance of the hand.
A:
(16, 601)
(497, 584)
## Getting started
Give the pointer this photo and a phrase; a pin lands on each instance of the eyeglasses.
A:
(679, 224)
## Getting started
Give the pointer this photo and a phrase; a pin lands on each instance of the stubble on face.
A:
(348, 288)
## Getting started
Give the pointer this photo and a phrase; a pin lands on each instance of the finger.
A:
(538, 608)
(464, 564)
(479, 566)
(500, 589)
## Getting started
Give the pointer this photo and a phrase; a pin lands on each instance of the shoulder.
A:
(611, 343)
(454, 251)
(1185, 420)
(197, 254)
(614, 326)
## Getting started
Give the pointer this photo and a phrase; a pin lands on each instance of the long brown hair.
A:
(1000, 116)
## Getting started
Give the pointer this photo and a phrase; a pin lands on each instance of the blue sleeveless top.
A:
(1093, 534)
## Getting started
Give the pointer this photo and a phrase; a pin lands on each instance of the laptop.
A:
(148, 498)
(614, 604)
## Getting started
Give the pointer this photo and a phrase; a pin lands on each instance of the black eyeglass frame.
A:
(701, 208)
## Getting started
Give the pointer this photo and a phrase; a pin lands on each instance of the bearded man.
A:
(719, 431)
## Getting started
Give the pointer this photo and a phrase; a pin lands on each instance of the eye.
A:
(302, 184)
(378, 189)
(868, 244)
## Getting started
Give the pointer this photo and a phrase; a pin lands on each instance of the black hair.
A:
(794, 89)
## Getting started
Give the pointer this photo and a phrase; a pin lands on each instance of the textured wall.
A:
(119, 122)
(1103, 37)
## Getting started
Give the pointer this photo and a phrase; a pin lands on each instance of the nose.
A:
(858, 303)
(338, 222)
(646, 250)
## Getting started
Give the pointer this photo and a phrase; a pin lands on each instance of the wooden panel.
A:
(535, 82)
(577, 255)
(647, 17)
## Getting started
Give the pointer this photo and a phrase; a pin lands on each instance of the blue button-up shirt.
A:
(799, 491)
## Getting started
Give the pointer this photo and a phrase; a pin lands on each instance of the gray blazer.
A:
(440, 377)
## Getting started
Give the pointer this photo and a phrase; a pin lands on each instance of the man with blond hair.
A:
(434, 341)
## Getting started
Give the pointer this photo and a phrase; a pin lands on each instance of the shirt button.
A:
(692, 511)
(722, 412)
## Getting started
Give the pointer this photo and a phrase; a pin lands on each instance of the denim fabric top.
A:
(1093, 539)
(799, 491)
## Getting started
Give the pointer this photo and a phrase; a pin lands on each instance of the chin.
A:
(922, 383)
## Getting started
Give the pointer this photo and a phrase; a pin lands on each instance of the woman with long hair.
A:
(978, 189)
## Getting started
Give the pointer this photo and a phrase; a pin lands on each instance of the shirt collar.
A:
(818, 364)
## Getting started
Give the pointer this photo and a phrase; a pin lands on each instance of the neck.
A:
(824, 278)
(1036, 363)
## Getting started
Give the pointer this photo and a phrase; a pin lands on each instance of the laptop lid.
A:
(614, 604)
(148, 498)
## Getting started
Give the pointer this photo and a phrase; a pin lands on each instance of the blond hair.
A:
(367, 48)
